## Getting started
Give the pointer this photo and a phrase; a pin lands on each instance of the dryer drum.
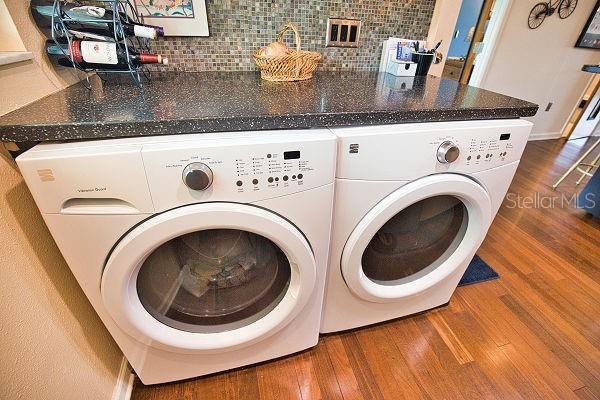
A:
(213, 280)
(414, 238)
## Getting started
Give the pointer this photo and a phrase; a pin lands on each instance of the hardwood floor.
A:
(532, 334)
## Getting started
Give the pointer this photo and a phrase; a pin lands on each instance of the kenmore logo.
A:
(46, 175)
(353, 148)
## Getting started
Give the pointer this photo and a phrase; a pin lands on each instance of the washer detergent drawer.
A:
(87, 180)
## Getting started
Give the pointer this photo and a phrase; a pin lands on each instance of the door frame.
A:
(594, 85)
(500, 11)
(478, 36)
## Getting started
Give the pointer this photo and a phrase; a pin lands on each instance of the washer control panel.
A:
(274, 170)
(243, 169)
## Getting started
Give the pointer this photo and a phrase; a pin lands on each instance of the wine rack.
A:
(128, 43)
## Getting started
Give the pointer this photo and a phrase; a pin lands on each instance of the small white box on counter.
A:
(390, 46)
(399, 68)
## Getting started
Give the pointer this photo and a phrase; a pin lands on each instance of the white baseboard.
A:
(545, 136)
(124, 385)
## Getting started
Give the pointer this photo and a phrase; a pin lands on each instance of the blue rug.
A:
(478, 271)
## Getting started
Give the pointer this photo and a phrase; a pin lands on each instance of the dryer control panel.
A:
(410, 151)
(490, 150)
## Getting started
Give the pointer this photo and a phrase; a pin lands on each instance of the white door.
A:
(416, 237)
(208, 277)
(590, 119)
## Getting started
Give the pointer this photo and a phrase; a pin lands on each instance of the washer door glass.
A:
(213, 280)
(208, 277)
(412, 240)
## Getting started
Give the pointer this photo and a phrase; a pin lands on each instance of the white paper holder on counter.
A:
(401, 68)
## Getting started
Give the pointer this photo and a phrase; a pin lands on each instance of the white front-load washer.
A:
(413, 203)
(200, 253)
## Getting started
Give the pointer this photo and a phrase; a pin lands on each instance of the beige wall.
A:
(542, 65)
(11, 41)
(52, 346)
(29, 80)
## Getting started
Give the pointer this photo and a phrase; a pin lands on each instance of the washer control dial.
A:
(447, 152)
(197, 176)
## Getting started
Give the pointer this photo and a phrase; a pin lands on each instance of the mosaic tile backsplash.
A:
(238, 27)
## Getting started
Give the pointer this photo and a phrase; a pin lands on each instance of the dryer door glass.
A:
(213, 280)
(415, 240)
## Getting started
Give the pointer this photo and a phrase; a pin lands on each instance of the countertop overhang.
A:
(179, 103)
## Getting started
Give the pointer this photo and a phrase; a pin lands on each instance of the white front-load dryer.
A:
(413, 203)
(200, 253)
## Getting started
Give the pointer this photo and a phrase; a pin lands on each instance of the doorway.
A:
(471, 25)
(478, 28)
(585, 118)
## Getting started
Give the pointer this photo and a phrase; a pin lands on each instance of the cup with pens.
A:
(423, 57)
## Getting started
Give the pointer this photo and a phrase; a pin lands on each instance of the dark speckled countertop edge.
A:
(224, 102)
(93, 130)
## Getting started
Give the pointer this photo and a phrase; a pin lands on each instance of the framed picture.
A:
(177, 17)
(590, 36)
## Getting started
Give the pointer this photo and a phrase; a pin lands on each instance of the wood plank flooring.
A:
(532, 334)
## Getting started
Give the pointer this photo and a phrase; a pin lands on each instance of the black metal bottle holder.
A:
(128, 43)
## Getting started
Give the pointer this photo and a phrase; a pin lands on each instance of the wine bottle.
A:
(91, 19)
(98, 55)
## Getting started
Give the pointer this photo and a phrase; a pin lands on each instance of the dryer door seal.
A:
(416, 237)
(208, 277)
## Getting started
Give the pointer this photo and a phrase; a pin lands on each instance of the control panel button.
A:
(197, 176)
(255, 181)
(448, 152)
(285, 178)
(300, 176)
(239, 183)
(270, 179)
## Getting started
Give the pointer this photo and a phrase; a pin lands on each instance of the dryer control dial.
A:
(447, 152)
(197, 176)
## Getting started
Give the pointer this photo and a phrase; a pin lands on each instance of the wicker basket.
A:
(297, 65)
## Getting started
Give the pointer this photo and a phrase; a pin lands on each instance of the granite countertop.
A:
(234, 101)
